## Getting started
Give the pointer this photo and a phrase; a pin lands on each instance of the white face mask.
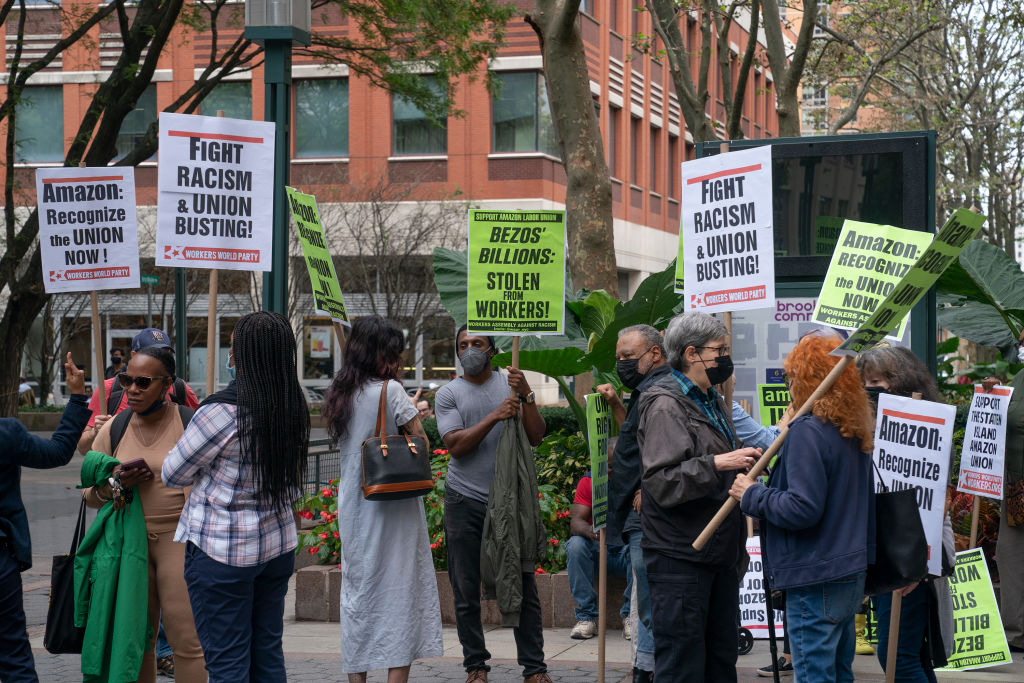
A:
(1020, 354)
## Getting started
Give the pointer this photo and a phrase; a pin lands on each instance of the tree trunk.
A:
(24, 304)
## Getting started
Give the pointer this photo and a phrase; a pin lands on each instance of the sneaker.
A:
(627, 628)
(165, 665)
(583, 630)
(863, 646)
(785, 668)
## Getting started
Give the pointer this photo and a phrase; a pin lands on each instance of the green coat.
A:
(112, 585)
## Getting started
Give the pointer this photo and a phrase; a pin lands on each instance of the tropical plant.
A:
(562, 458)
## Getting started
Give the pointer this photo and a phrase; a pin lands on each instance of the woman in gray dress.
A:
(390, 614)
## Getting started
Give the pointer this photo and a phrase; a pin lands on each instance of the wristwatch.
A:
(530, 398)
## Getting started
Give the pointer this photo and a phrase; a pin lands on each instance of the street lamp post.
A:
(277, 25)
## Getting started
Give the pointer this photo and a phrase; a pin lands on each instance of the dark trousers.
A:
(16, 663)
(913, 665)
(239, 613)
(464, 526)
(694, 618)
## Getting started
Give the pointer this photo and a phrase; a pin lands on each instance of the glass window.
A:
(321, 118)
(614, 115)
(654, 159)
(39, 132)
(234, 97)
(634, 125)
(521, 115)
(135, 124)
(673, 165)
(414, 133)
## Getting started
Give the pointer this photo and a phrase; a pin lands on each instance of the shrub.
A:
(559, 419)
(323, 541)
(562, 458)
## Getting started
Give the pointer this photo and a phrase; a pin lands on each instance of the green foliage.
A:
(433, 437)
(433, 503)
(562, 458)
(322, 541)
(558, 418)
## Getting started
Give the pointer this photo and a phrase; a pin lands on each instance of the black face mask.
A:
(720, 372)
(874, 393)
(115, 360)
(629, 373)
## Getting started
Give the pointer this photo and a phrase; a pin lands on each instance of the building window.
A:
(614, 115)
(137, 122)
(587, 7)
(613, 15)
(521, 116)
(654, 158)
(414, 132)
(634, 160)
(673, 165)
(39, 127)
(321, 118)
(234, 98)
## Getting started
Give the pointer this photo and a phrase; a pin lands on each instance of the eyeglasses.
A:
(722, 350)
(142, 382)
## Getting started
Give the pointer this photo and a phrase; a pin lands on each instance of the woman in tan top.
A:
(153, 428)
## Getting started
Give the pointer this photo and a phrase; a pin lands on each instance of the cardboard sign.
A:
(773, 399)
(599, 426)
(88, 232)
(215, 197)
(753, 611)
(516, 273)
(726, 232)
(327, 298)
(979, 640)
(981, 459)
(960, 229)
(913, 441)
(868, 262)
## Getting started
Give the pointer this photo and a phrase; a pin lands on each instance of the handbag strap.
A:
(382, 424)
(79, 529)
(885, 489)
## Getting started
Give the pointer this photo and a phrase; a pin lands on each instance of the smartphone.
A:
(137, 464)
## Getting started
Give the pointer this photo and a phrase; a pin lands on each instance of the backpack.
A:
(120, 424)
(178, 395)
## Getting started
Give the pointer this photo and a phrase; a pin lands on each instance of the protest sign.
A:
(88, 233)
(826, 234)
(599, 425)
(726, 232)
(960, 229)
(868, 262)
(215, 193)
(327, 298)
(774, 400)
(978, 637)
(516, 273)
(981, 458)
(753, 612)
(913, 441)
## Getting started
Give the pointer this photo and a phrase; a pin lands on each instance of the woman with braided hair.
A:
(244, 454)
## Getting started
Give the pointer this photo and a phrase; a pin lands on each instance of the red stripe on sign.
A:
(97, 179)
(915, 418)
(728, 171)
(995, 390)
(213, 136)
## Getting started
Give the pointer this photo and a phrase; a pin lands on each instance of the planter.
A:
(318, 590)
(39, 422)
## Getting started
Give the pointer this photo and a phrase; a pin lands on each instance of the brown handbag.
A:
(396, 466)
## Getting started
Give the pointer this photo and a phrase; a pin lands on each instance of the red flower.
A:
(540, 570)
(336, 535)
(540, 495)
(312, 551)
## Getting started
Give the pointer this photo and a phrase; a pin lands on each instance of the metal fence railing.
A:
(323, 465)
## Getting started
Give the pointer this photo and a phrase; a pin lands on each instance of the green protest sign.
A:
(516, 272)
(978, 637)
(958, 231)
(868, 262)
(773, 399)
(599, 425)
(826, 234)
(327, 299)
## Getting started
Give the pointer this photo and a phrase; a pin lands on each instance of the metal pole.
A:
(278, 76)
(181, 321)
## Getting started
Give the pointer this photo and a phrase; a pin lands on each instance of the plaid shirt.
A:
(223, 516)
(708, 403)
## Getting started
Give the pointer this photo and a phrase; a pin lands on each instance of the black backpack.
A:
(120, 424)
(178, 395)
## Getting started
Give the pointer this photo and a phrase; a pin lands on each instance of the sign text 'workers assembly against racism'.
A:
(599, 427)
(516, 272)
(726, 232)
(215, 193)
(327, 299)
(913, 441)
(88, 232)
(981, 458)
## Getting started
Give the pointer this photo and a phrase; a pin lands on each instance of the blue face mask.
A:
(230, 368)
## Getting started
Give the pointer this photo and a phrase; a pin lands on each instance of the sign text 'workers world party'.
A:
(599, 427)
(981, 458)
(215, 193)
(327, 299)
(726, 232)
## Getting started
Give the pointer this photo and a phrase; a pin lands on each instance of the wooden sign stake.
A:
(602, 600)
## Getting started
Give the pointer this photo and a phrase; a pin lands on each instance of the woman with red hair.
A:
(818, 511)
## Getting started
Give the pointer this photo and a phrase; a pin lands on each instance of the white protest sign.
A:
(88, 232)
(981, 459)
(913, 441)
(753, 615)
(726, 232)
(215, 193)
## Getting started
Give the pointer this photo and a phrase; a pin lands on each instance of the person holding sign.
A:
(817, 510)
(470, 415)
(690, 457)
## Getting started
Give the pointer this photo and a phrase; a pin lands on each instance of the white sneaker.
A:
(627, 628)
(583, 630)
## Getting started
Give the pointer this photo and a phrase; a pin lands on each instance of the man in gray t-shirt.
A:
(470, 413)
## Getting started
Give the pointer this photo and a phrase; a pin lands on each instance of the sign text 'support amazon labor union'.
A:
(726, 232)
(327, 299)
(516, 272)
(88, 233)
(984, 449)
(216, 193)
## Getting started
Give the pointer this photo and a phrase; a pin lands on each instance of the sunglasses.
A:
(142, 382)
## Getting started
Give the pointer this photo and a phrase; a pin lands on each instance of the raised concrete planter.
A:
(39, 422)
(318, 590)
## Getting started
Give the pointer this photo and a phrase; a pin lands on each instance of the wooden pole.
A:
(97, 342)
(767, 456)
(339, 330)
(975, 513)
(894, 637)
(602, 603)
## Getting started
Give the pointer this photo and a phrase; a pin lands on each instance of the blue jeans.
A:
(16, 662)
(910, 665)
(163, 648)
(582, 564)
(821, 631)
(644, 634)
(239, 613)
